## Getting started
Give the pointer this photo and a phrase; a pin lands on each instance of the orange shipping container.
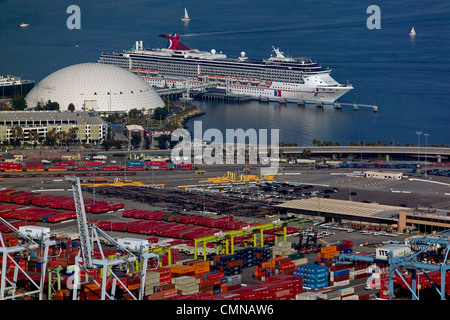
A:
(182, 269)
(328, 249)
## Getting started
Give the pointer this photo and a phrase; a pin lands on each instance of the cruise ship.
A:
(278, 78)
(12, 85)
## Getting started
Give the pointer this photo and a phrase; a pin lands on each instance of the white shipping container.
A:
(134, 244)
(360, 271)
(352, 297)
(397, 251)
(341, 283)
(35, 232)
(347, 291)
(307, 296)
(300, 262)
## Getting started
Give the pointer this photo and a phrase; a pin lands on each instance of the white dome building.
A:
(95, 86)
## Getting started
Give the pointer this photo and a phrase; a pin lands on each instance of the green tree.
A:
(16, 135)
(306, 153)
(160, 113)
(19, 103)
(51, 137)
(71, 107)
(136, 140)
(34, 136)
(135, 113)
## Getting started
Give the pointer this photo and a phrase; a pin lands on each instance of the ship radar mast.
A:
(280, 54)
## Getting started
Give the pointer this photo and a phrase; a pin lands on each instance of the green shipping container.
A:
(296, 256)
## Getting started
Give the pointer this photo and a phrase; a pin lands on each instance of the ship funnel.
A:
(141, 45)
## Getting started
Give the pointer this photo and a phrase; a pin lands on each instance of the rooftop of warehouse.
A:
(80, 117)
(345, 207)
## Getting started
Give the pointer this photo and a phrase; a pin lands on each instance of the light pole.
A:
(418, 147)
(426, 151)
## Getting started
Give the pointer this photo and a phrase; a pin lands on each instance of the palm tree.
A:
(34, 136)
(51, 136)
(16, 135)
(58, 137)
(73, 132)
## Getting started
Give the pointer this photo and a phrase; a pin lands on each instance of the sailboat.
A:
(412, 32)
(24, 25)
(186, 16)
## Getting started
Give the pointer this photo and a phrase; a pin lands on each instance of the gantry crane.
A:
(438, 241)
(413, 263)
(228, 236)
(32, 238)
(134, 250)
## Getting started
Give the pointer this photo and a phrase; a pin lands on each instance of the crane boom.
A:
(85, 243)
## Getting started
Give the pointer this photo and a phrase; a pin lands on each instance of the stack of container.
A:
(200, 267)
(248, 256)
(314, 276)
(298, 259)
(186, 284)
(157, 165)
(34, 166)
(182, 166)
(326, 254)
(282, 248)
(264, 271)
(181, 271)
(229, 264)
(271, 268)
(284, 288)
(283, 265)
(154, 278)
(174, 257)
(340, 277)
(93, 164)
(112, 168)
(213, 282)
(69, 165)
(344, 293)
(135, 165)
(11, 167)
(263, 254)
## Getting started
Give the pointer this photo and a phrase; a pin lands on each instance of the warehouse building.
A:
(344, 211)
(88, 127)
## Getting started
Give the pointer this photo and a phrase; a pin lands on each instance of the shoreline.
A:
(196, 112)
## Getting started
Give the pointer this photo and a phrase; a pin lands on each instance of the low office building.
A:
(384, 175)
(88, 127)
(424, 220)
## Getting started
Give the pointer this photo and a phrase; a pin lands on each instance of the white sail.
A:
(412, 32)
(186, 15)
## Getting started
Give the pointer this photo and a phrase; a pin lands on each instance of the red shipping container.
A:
(93, 163)
(64, 164)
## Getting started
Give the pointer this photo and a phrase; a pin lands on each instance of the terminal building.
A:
(359, 215)
(424, 220)
(88, 127)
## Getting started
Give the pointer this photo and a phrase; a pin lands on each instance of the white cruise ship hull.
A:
(277, 91)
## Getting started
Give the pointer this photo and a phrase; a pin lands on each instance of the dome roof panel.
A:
(92, 82)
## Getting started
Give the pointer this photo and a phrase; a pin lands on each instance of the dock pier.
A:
(235, 98)
(356, 106)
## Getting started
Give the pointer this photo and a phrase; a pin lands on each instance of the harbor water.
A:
(406, 77)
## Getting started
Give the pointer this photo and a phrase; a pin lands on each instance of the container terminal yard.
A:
(94, 229)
